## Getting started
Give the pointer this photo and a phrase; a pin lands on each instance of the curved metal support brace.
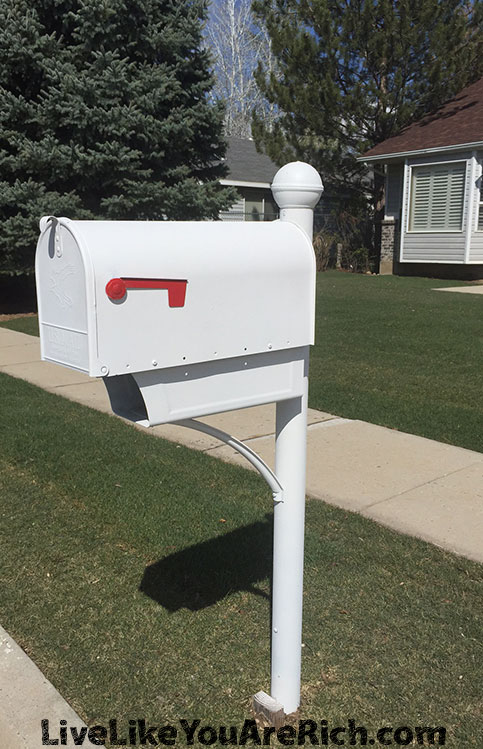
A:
(243, 449)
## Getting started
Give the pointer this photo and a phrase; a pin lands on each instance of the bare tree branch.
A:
(238, 45)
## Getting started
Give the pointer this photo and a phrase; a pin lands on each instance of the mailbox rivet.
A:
(269, 345)
(155, 363)
(104, 370)
(275, 629)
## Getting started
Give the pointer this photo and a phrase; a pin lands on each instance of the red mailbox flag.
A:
(116, 288)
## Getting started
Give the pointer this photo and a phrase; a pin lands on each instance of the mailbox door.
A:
(64, 296)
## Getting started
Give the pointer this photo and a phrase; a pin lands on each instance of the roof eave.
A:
(243, 183)
(422, 151)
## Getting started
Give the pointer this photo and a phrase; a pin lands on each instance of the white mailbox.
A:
(185, 319)
(181, 319)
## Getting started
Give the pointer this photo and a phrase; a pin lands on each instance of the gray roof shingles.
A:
(245, 164)
(458, 121)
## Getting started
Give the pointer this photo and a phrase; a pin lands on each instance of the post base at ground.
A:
(268, 709)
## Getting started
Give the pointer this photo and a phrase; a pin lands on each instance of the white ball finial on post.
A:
(297, 188)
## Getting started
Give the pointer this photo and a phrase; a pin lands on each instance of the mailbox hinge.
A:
(247, 452)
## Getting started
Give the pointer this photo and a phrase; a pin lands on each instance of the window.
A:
(259, 206)
(393, 189)
(254, 209)
(437, 197)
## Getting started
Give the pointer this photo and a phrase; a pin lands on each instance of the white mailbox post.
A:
(187, 319)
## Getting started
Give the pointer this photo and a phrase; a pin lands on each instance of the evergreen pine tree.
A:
(104, 112)
(351, 74)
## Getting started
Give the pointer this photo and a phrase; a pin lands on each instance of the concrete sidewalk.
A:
(474, 289)
(414, 485)
(26, 699)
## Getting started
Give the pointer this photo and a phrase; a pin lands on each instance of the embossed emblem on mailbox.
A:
(57, 285)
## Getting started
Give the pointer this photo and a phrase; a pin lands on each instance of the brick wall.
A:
(389, 245)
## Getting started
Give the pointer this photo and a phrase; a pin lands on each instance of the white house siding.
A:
(476, 249)
(476, 240)
(434, 247)
(236, 212)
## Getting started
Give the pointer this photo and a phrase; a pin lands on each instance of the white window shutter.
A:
(420, 199)
(437, 197)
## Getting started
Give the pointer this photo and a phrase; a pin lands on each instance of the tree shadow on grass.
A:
(205, 573)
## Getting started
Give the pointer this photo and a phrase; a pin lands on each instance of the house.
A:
(433, 222)
(252, 174)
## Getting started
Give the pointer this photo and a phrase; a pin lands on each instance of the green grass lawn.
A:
(29, 325)
(136, 574)
(391, 351)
